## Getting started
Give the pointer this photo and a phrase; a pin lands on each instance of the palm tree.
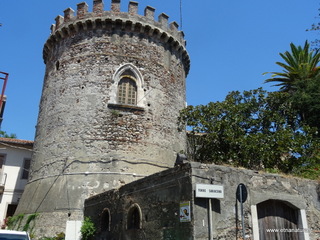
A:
(300, 79)
(300, 65)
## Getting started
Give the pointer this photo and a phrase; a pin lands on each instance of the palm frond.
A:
(299, 64)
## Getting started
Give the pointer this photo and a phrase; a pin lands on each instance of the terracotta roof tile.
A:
(16, 141)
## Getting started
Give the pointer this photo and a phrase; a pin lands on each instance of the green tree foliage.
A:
(301, 79)
(87, 229)
(3, 134)
(256, 130)
(315, 27)
(59, 236)
(306, 100)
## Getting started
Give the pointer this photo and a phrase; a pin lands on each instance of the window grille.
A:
(127, 91)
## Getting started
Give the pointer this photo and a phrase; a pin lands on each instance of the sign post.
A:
(242, 195)
(209, 191)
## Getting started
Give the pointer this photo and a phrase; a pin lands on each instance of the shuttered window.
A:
(1, 161)
(26, 168)
(127, 91)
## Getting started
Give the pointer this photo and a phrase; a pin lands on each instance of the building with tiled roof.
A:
(15, 159)
(15, 141)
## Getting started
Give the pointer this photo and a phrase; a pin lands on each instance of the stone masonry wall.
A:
(300, 193)
(86, 142)
(159, 196)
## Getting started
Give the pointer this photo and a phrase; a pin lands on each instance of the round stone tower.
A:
(113, 88)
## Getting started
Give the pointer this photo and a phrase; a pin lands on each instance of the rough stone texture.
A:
(159, 197)
(85, 142)
(300, 193)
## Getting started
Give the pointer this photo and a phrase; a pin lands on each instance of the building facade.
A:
(113, 88)
(15, 159)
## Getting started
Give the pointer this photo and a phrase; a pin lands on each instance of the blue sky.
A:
(230, 43)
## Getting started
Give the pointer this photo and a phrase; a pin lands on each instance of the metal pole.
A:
(210, 219)
(242, 217)
(3, 87)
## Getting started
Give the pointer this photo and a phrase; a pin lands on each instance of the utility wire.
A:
(181, 14)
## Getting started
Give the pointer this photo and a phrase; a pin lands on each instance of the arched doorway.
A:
(278, 221)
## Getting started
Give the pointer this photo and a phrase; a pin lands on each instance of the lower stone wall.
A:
(150, 208)
(300, 195)
(44, 225)
(156, 200)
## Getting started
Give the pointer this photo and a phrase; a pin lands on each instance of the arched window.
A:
(105, 220)
(134, 217)
(127, 90)
(127, 87)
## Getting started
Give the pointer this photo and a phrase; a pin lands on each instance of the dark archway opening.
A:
(105, 220)
(134, 218)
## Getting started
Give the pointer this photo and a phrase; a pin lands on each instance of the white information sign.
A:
(209, 191)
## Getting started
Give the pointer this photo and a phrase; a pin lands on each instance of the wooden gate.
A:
(278, 221)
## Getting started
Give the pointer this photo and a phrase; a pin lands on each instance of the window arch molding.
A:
(129, 71)
(134, 217)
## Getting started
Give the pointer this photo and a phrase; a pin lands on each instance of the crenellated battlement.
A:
(98, 11)
(115, 20)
